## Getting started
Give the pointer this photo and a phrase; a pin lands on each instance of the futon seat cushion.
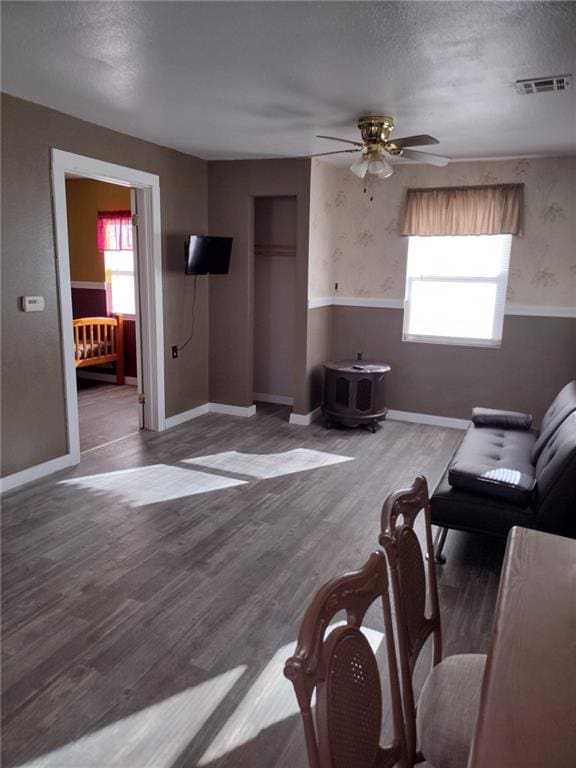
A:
(499, 482)
(493, 447)
(471, 511)
(489, 417)
(448, 709)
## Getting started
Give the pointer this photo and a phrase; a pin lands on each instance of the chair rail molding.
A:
(522, 310)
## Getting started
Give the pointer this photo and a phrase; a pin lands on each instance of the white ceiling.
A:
(260, 79)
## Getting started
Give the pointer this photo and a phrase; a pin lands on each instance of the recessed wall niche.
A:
(274, 298)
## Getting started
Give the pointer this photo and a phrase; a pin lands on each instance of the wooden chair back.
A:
(411, 589)
(342, 670)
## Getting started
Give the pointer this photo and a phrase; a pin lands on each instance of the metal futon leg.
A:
(439, 541)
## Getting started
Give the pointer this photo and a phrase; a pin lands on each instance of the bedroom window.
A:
(115, 242)
(120, 276)
(456, 289)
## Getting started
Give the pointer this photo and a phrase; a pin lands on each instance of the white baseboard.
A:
(201, 410)
(193, 413)
(233, 410)
(426, 418)
(108, 377)
(277, 399)
(36, 472)
(322, 301)
(304, 420)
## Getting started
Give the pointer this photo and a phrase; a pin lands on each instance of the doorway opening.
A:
(275, 233)
(112, 325)
(103, 255)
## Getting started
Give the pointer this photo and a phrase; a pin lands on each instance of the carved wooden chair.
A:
(342, 669)
(439, 729)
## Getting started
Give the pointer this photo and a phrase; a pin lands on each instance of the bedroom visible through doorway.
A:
(105, 307)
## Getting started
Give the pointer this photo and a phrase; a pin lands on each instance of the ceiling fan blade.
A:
(414, 141)
(424, 157)
(346, 141)
(337, 152)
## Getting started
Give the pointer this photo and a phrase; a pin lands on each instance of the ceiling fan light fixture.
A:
(376, 146)
(360, 166)
(379, 166)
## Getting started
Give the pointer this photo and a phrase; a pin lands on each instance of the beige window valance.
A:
(486, 210)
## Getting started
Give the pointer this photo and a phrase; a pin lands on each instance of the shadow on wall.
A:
(174, 245)
(316, 386)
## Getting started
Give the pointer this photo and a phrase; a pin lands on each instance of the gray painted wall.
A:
(536, 359)
(274, 324)
(319, 351)
(275, 221)
(33, 405)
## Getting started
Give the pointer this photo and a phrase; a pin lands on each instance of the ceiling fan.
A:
(376, 144)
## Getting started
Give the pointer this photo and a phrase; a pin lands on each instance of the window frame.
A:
(500, 281)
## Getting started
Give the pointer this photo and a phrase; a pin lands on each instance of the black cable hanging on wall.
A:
(189, 339)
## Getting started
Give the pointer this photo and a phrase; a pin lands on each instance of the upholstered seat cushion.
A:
(500, 482)
(463, 507)
(448, 709)
(471, 511)
(494, 447)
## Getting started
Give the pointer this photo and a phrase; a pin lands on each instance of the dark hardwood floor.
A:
(106, 412)
(153, 636)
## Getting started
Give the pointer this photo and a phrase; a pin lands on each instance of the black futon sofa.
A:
(505, 474)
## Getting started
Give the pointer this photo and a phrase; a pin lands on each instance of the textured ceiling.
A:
(230, 80)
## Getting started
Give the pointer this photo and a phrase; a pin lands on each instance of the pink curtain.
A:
(114, 231)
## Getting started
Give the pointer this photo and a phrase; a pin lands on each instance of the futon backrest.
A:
(562, 406)
(556, 480)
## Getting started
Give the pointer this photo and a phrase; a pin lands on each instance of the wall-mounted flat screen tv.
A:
(207, 255)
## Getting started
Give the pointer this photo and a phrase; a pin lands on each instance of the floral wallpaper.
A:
(355, 240)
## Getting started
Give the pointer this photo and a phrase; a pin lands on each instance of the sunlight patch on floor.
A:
(152, 738)
(154, 484)
(265, 465)
(270, 700)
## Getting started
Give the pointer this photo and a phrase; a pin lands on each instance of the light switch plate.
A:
(32, 303)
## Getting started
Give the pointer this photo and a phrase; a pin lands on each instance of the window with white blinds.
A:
(120, 275)
(456, 289)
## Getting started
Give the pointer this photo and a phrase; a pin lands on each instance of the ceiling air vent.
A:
(544, 84)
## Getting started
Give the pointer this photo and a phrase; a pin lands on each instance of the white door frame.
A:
(147, 187)
(135, 196)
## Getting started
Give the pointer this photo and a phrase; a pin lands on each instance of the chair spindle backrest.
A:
(342, 669)
(410, 589)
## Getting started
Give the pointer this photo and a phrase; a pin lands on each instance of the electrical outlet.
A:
(174, 352)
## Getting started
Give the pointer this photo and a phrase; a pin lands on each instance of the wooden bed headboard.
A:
(99, 340)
